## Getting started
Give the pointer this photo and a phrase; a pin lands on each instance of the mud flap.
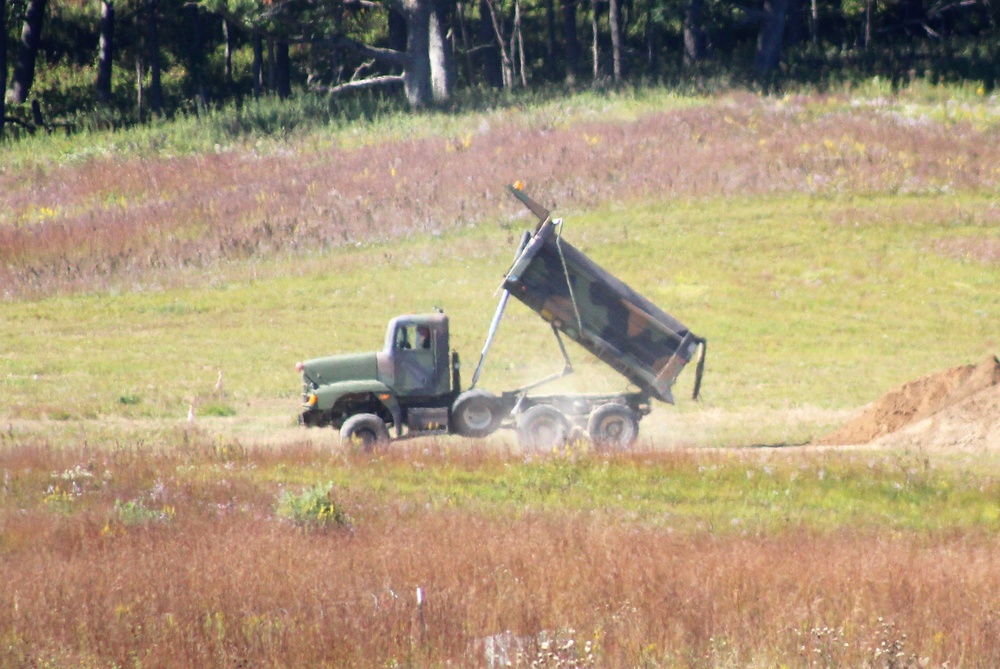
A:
(700, 369)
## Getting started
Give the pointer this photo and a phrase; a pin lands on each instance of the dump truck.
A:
(413, 386)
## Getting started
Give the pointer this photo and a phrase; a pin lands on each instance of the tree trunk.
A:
(769, 39)
(257, 69)
(868, 22)
(464, 32)
(517, 45)
(227, 34)
(3, 66)
(271, 68)
(282, 69)
(138, 87)
(694, 39)
(614, 22)
(440, 53)
(654, 37)
(595, 50)
(105, 58)
(153, 46)
(24, 66)
(570, 39)
(551, 48)
(196, 56)
(397, 28)
(492, 60)
(417, 74)
(814, 22)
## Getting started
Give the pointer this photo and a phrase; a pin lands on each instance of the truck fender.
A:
(327, 396)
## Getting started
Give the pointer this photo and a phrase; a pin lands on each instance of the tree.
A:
(492, 45)
(570, 40)
(510, 47)
(654, 35)
(3, 66)
(426, 62)
(770, 37)
(153, 52)
(24, 65)
(694, 36)
(595, 6)
(551, 50)
(105, 58)
(227, 34)
(614, 24)
(257, 69)
(196, 55)
(282, 70)
(442, 59)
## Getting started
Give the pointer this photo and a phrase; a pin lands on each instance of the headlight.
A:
(312, 400)
(299, 367)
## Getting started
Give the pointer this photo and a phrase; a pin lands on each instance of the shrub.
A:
(137, 513)
(313, 507)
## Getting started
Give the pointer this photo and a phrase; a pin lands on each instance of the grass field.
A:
(829, 247)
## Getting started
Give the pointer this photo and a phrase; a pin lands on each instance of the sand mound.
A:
(956, 390)
(970, 425)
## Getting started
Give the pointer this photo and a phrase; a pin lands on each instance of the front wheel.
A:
(476, 413)
(542, 428)
(365, 429)
(613, 427)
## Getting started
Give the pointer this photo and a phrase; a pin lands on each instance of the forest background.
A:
(74, 65)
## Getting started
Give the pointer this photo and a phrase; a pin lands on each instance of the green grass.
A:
(806, 302)
(757, 492)
(746, 492)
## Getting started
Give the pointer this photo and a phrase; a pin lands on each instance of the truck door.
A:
(414, 360)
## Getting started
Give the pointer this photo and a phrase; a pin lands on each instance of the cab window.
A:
(411, 336)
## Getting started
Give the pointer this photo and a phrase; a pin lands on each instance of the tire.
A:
(476, 414)
(613, 427)
(542, 428)
(366, 429)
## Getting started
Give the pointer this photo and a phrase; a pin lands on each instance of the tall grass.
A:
(226, 580)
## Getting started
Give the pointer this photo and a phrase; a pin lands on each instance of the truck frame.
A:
(414, 384)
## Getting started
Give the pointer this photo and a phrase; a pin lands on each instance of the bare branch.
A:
(361, 69)
(373, 82)
(361, 4)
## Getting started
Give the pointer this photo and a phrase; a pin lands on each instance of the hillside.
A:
(830, 247)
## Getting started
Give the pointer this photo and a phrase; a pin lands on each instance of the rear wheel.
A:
(365, 429)
(613, 427)
(542, 428)
(476, 414)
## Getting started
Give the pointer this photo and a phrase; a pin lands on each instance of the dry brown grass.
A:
(111, 222)
(980, 250)
(226, 583)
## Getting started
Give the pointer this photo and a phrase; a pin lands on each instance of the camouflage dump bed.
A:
(622, 328)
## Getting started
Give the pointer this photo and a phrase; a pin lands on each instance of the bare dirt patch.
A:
(957, 406)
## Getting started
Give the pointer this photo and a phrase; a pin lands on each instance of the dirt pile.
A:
(962, 403)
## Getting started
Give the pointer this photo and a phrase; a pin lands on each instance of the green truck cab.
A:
(412, 382)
